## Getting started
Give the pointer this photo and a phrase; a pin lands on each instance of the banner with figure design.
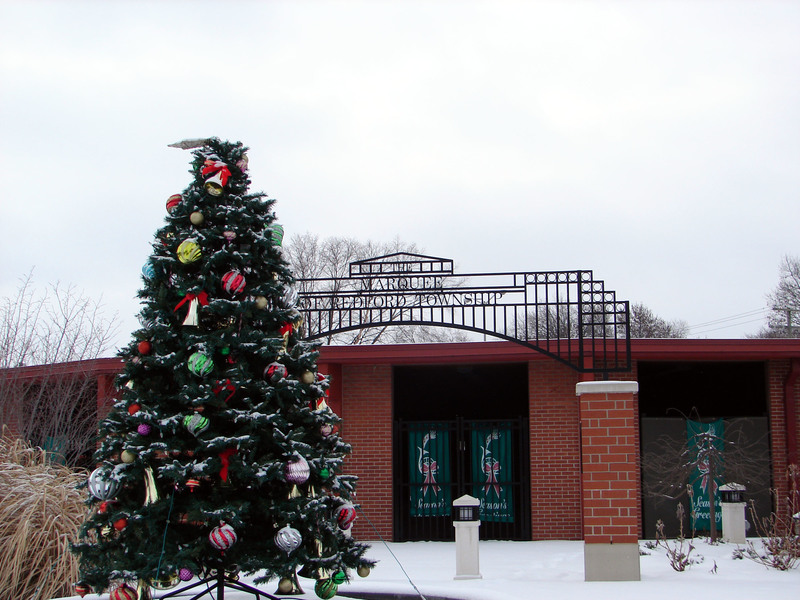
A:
(491, 469)
(706, 442)
(429, 463)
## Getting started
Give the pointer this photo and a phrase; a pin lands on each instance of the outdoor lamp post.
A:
(733, 504)
(466, 511)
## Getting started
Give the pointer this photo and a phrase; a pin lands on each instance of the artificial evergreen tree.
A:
(221, 455)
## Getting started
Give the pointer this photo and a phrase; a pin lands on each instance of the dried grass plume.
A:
(41, 511)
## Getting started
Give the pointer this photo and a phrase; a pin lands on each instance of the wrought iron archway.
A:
(567, 315)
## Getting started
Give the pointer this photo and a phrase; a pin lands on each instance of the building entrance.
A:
(461, 430)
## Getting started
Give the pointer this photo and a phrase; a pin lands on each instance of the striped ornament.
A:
(288, 539)
(200, 364)
(222, 537)
(233, 282)
(276, 234)
(123, 592)
(297, 470)
(148, 271)
(326, 588)
(173, 202)
(189, 251)
(196, 424)
(101, 486)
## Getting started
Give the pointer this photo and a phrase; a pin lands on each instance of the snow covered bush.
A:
(780, 531)
(678, 551)
(40, 512)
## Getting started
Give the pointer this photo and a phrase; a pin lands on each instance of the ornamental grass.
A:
(40, 513)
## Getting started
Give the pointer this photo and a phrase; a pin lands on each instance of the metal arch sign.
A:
(567, 315)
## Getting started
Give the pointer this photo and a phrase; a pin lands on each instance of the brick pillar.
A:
(610, 480)
(367, 427)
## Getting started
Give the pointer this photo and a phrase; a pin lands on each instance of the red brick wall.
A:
(611, 479)
(777, 374)
(367, 427)
(554, 451)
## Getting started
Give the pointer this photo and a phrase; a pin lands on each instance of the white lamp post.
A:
(733, 504)
(466, 510)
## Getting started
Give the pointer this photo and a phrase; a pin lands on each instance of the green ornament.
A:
(339, 577)
(326, 589)
(200, 364)
(196, 424)
(276, 234)
(324, 473)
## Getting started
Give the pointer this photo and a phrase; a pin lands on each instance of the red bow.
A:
(201, 298)
(225, 384)
(429, 470)
(225, 457)
(285, 329)
(212, 167)
(491, 468)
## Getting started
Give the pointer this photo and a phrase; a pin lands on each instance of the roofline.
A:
(673, 349)
(502, 351)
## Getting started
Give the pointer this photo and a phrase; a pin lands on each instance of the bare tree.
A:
(783, 320)
(671, 465)
(328, 262)
(40, 401)
(644, 323)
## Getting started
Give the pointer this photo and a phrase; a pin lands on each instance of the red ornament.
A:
(345, 516)
(233, 282)
(133, 409)
(192, 484)
(120, 524)
(173, 202)
(123, 592)
(275, 371)
(222, 537)
(144, 347)
(82, 589)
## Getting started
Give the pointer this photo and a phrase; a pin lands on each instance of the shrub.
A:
(40, 513)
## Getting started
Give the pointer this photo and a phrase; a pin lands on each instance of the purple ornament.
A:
(185, 574)
(144, 429)
(297, 470)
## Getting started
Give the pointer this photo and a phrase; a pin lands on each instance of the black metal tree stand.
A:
(217, 583)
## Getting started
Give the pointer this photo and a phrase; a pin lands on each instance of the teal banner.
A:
(429, 462)
(706, 443)
(491, 468)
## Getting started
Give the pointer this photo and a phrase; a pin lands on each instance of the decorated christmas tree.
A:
(221, 455)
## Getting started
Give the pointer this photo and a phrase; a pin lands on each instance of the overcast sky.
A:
(655, 143)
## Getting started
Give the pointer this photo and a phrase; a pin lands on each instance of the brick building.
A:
(573, 468)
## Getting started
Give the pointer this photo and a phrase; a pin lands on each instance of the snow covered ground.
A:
(554, 571)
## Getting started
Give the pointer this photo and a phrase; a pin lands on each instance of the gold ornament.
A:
(197, 218)
(363, 571)
(289, 586)
(166, 581)
(127, 456)
(142, 591)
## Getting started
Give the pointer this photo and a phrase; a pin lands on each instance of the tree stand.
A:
(217, 583)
